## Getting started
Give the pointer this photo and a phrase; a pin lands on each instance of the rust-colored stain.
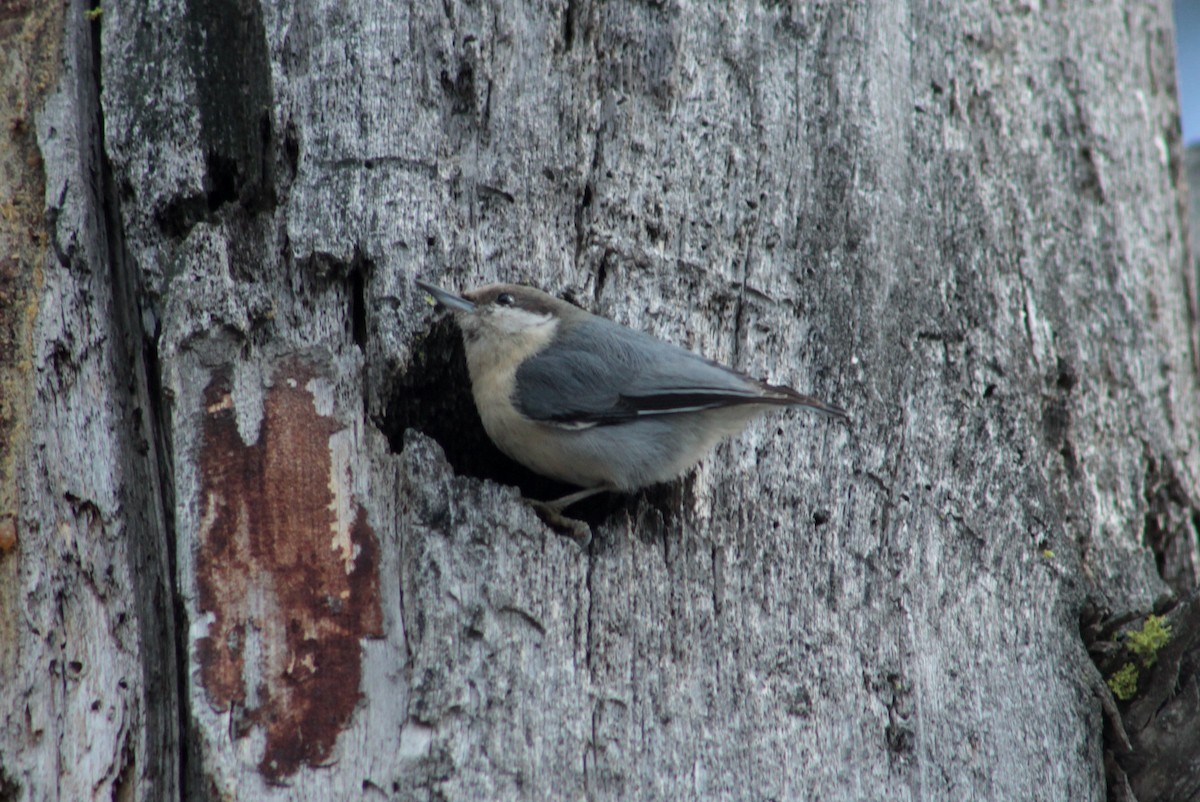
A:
(8, 534)
(291, 590)
(31, 35)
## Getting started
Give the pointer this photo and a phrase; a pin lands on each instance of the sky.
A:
(1187, 66)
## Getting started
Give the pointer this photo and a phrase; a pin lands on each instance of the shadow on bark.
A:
(1151, 664)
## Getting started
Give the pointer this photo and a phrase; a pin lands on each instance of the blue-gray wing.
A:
(597, 372)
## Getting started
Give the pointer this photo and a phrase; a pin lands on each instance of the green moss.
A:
(1146, 642)
(1123, 684)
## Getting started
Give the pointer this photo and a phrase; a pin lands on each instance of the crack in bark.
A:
(589, 640)
(584, 202)
(755, 215)
(147, 455)
(586, 196)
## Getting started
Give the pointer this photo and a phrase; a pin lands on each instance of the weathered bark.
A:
(1152, 749)
(961, 222)
(89, 693)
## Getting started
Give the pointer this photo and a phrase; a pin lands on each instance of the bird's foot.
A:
(551, 513)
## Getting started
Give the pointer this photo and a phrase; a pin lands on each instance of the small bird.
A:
(583, 400)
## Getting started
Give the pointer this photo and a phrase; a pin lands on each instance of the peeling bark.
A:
(286, 570)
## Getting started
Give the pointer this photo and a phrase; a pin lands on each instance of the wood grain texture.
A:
(88, 684)
(960, 221)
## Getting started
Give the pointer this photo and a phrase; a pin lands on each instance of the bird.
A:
(581, 399)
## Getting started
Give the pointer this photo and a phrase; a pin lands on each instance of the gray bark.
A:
(88, 686)
(1152, 748)
(264, 550)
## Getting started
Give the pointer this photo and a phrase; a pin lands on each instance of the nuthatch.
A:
(587, 401)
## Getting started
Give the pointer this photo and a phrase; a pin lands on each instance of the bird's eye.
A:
(505, 299)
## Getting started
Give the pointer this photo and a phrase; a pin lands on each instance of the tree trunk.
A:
(261, 548)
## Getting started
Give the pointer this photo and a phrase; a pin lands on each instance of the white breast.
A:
(493, 357)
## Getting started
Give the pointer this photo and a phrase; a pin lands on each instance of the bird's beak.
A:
(449, 300)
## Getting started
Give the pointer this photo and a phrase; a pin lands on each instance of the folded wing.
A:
(598, 373)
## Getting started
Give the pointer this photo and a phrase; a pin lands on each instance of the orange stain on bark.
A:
(290, 601)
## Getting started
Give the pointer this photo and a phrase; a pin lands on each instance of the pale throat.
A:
(500, 346)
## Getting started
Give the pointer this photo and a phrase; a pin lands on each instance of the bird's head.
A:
(504, 320)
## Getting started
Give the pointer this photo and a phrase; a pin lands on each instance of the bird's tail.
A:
(786, 396)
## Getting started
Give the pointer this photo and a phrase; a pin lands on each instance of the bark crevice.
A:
(149, 487)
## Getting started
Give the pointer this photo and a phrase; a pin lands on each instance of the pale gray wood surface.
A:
(960, 221)
(88, 675)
